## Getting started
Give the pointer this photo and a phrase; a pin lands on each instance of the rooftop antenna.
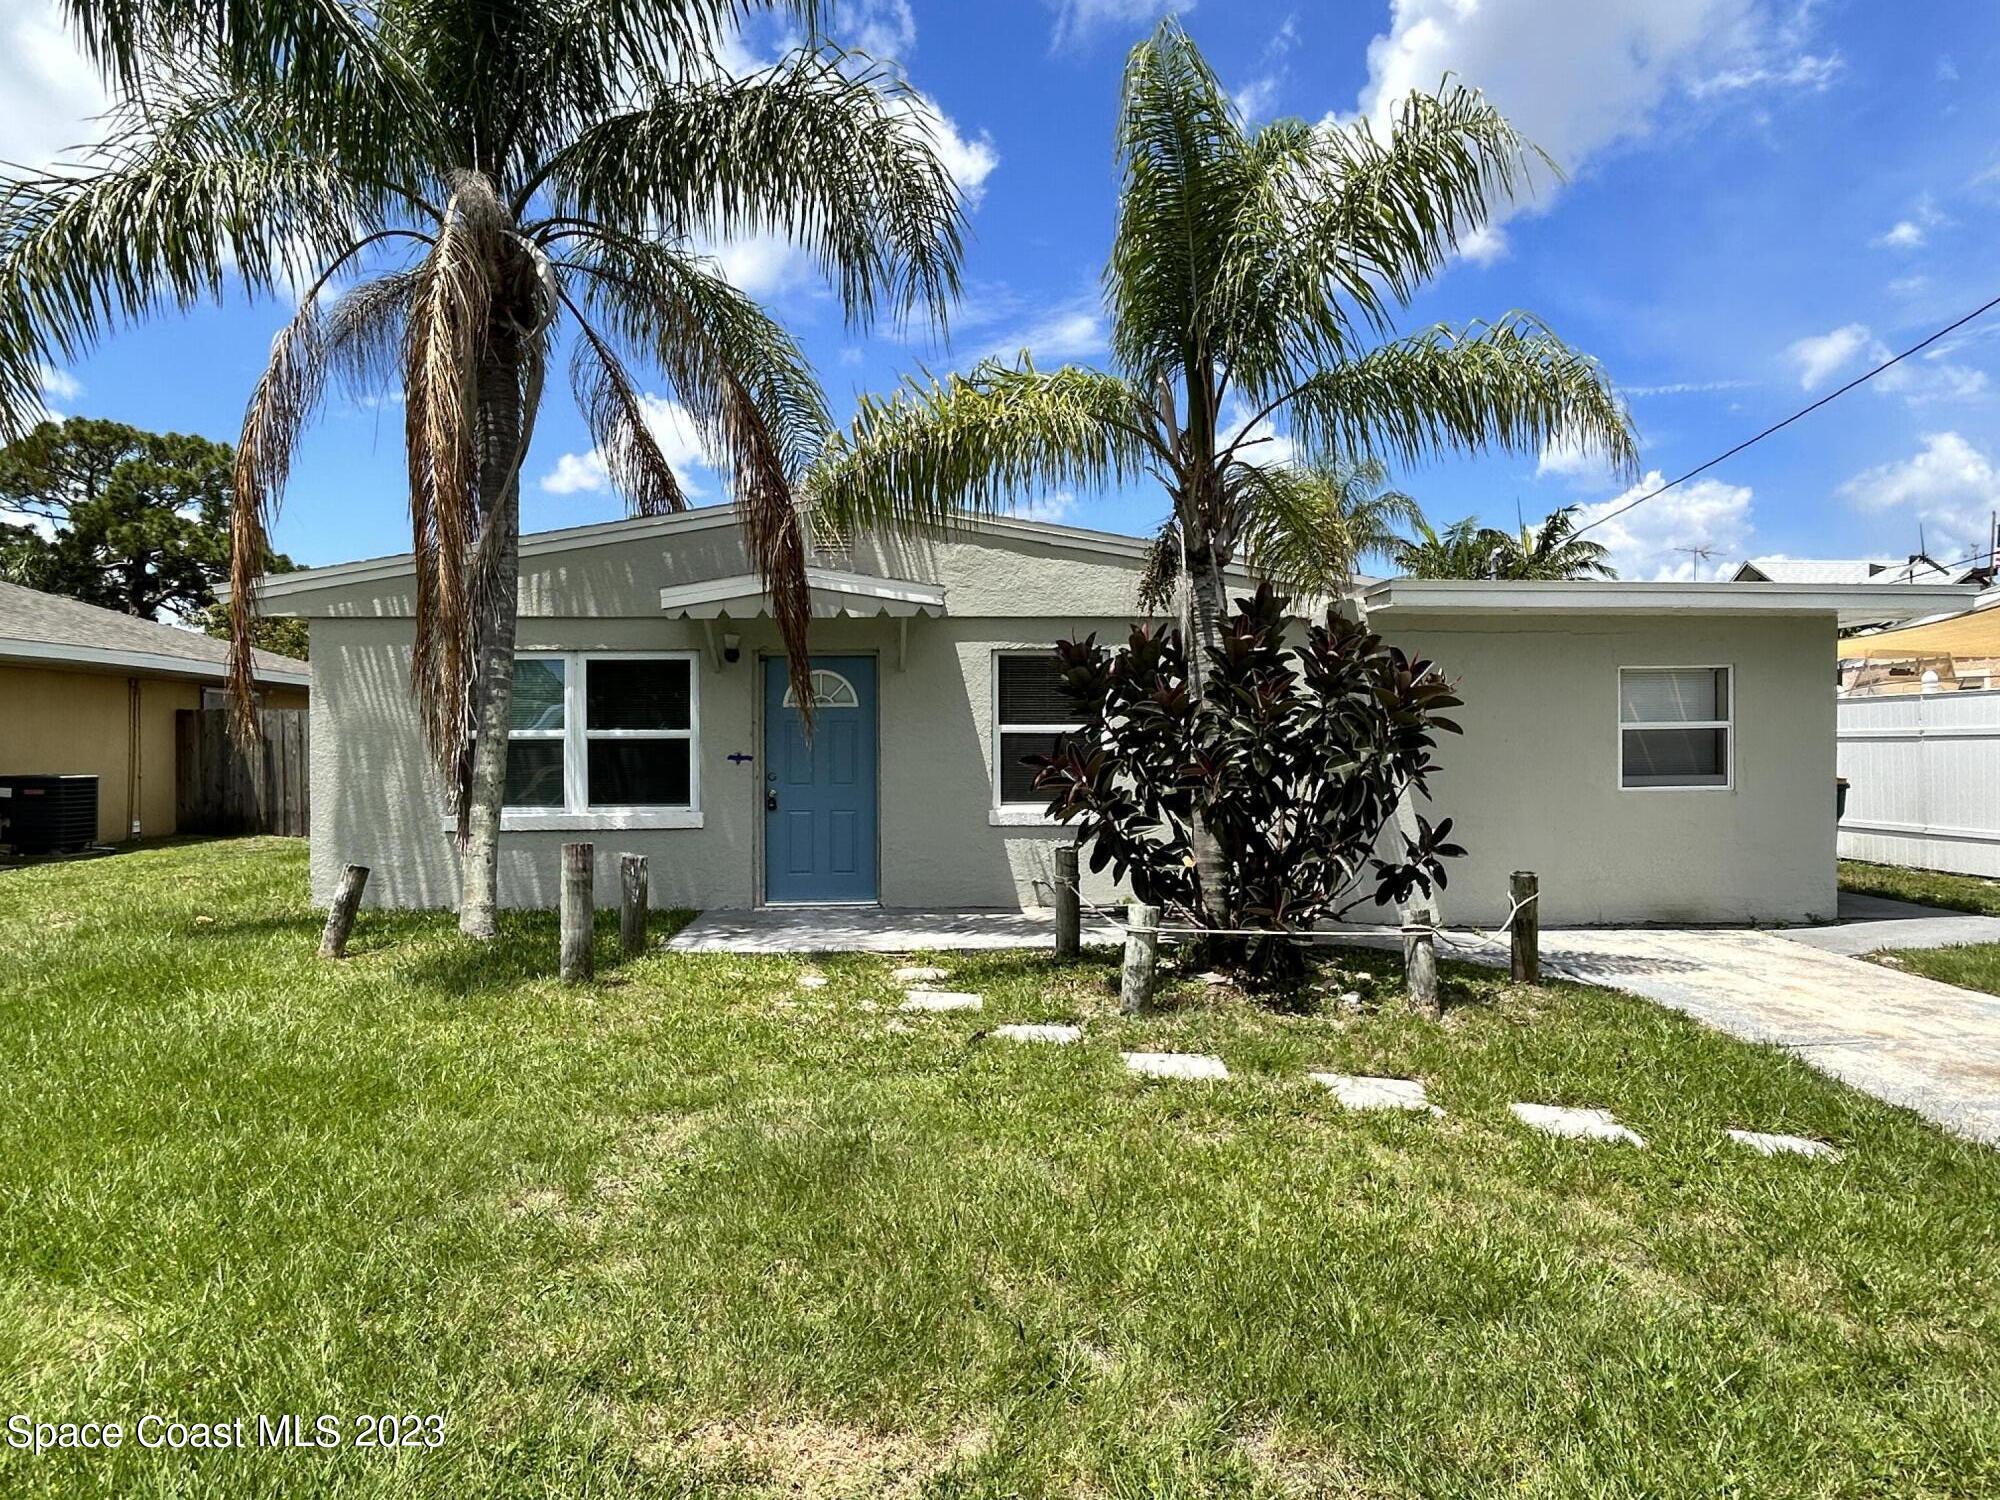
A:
(1700, 555)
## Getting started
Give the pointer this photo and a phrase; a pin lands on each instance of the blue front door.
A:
(819, 797)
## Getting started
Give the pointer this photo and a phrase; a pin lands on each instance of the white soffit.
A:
(834, 593)
(1855, 604)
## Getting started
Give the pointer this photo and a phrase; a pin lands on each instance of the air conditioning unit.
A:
(48, 814)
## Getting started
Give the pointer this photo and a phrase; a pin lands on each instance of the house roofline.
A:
(1850, 603)
(708, 517)
(156, 663)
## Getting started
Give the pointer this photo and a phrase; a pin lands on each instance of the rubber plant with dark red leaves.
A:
(1296, 758)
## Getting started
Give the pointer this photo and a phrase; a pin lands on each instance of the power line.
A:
(1803, 411)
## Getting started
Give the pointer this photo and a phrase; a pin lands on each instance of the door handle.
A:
(770, 802)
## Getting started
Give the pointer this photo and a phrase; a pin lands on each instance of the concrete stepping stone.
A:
(1575, 1124)
(941, 1000)
(920, 974)
(1062, 1036)
(1357, 1091)
(1175, 1065)
(1765, 1144)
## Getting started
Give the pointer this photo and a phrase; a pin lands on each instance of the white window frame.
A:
(1017, 814)
(576, 735)
(1727, 725)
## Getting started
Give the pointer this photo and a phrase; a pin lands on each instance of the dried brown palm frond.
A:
(616, 417)
(444, 347)
(286, 396)
(1160, 573)
(365, 332)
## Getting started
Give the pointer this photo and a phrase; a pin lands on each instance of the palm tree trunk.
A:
(1210, 590)
(503, 426)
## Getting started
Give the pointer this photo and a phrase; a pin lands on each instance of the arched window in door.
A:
(830, 690)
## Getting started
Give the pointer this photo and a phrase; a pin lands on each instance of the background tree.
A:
(117, 517)
(1252, 279)
(488, 171)
(1465, 549)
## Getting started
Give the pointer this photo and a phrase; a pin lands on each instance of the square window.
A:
(1674, 726)
(645, 694)
(641, 773)
(534, 773)
(538, 693)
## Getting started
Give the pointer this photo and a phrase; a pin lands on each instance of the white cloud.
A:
(1904, 234)
(761, 265)
(1073, 330)
(672, 428)
(1655, 540)
(1823, 355)
(1683, 388)
(1076, 20)
(881, 28)
(1484, 245)
(1578, 76)
(1933, 379)
(60, 385)
(1908, 286)
(1266, 445)
(1948, 485)
(1570, 459)
(1256, 97)
(52, 94)
(1055, 507)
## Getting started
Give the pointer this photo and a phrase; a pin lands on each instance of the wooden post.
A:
(632, 905)
(579, 908)
(1142, 957)
(1526, 928)
(1069, 904)
(340, 915)
(1420, 963)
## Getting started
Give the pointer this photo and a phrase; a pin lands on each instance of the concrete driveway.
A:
(1932, 1047)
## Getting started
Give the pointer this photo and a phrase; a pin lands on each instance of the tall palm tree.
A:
(1252, 279)
(490, 170)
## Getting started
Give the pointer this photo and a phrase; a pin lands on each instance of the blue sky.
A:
(1760, 198)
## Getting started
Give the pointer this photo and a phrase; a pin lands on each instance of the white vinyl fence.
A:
(1923, 773)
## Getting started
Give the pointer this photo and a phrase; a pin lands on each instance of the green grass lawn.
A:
(693, 1231)
(1930, 887)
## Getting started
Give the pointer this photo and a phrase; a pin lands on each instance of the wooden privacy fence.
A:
(1923, 773)
(220, 787)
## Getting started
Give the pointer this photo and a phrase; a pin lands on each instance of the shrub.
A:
(1294, 758)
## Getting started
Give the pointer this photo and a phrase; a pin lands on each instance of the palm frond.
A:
(616, 416)
(978, 443)
(1512, 383)
(446, 337)
(365, 332)
(184, 198)
(286, 396)
(1339, 225)
(1308, 527)
(1160, 573)
(839, 161)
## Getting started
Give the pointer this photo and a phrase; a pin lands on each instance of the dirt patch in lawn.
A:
(810, 1458)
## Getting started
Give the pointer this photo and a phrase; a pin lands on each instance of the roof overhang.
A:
(834, 594)
(1850, 604)
(60, 655)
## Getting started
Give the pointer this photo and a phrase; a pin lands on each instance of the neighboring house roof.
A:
(1967, 633)
(1843, 570)
(51, 630)
(1849, 603)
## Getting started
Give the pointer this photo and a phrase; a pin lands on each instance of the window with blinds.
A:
(1675, 726)
(1032, 716)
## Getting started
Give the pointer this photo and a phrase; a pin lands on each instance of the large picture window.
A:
(1032, 716)
(1674, 726)
(604, 736)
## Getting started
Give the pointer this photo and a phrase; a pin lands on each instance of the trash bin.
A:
(1839, 798)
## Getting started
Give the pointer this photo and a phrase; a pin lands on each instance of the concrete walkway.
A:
(869, 929)
(1932, 1047)
(1867, 924)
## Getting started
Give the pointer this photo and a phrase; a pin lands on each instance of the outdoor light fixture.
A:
(732, 647)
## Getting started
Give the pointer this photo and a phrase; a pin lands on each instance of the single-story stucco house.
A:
(90, 691)
(1656, 752)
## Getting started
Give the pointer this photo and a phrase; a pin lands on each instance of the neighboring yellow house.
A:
(88, 691)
